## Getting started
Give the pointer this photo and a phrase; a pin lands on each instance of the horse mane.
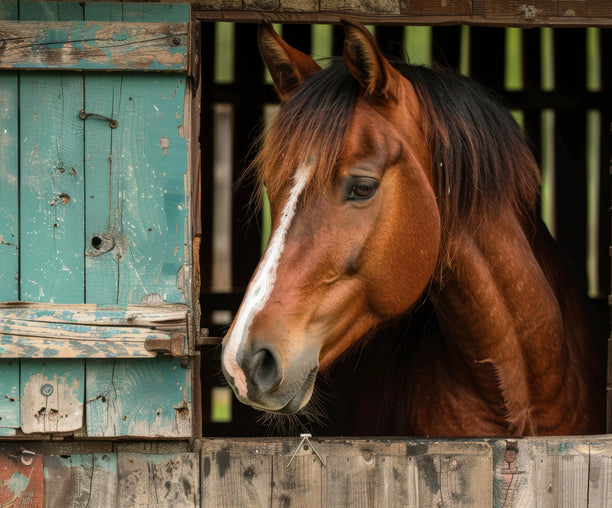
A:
(479, 153)
(480, 157)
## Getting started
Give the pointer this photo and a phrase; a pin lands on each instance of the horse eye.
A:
(363, 189)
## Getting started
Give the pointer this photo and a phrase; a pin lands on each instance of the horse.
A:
(396, 188)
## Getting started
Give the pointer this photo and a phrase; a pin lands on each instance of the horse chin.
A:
(297, 402)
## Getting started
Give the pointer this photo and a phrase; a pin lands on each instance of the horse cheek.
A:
(408, 260)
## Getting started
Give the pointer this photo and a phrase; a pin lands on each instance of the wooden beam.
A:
(565, 13)
(94, 45)
(31, 330)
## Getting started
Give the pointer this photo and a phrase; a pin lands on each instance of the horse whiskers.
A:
(312, 415)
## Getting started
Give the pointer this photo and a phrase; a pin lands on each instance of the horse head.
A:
(355, 222)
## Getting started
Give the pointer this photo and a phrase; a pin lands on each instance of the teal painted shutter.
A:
(95, 212)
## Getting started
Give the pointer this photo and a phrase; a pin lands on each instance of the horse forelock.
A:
(310, 129)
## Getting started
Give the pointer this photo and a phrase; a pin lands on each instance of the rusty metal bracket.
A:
(204, 339)
(172, 347)
(112, 122)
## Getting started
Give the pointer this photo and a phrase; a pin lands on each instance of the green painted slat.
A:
(9, 174)
(171, 12)
(52, 217)
(52, 183)
(52, 394)
(42, 10)
(9, 9)
(136, 200)
(9, 397)
(52, 204)
(138, 398)
(9, 190)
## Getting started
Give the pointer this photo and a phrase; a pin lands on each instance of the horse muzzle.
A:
(260, 378)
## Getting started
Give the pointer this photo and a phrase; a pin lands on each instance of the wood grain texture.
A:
(9, 193)
(361, 472)
(137, 207)
(9, 397)
(32, 330)
(21, 485)
(541, 471)
(159, 480)
(9, 175)
(52, 193)
(93, 45)
(137, 224)
(139, 398)
(75, 481)
(52, 395)
(71, 331)
(556, 471)
(549, 13)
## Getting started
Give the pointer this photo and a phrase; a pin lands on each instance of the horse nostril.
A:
(266, 369)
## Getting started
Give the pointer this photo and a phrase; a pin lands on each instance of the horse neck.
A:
(501, 319)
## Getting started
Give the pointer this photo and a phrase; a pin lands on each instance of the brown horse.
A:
(394, 185)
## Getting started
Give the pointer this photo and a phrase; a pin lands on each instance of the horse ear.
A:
(365, 61)
(288, 67)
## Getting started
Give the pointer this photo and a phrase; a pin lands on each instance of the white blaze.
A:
(262, 284)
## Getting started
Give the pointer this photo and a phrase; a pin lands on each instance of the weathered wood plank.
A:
(14, 346)
(9, 397)
(360, 472)
(387, 7)
(51, 215)
(170, 480)
(81, 332)
(52, 394)
(245, 478)
(551, 472)
(21, 485)
(163, 316)
(9, 193)
(276, 5)
(9, 174)
(81, 480)
(30, 329)
(138, 208)
(141, 398)
(89, 45)
(52, 208)
(484, 13)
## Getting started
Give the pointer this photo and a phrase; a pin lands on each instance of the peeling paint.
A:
(164, 144)
(17, 483)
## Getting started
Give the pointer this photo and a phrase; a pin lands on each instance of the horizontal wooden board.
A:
(37, 330)
(420, 12)
(344, 472)
(94, 45)
(540, 471)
